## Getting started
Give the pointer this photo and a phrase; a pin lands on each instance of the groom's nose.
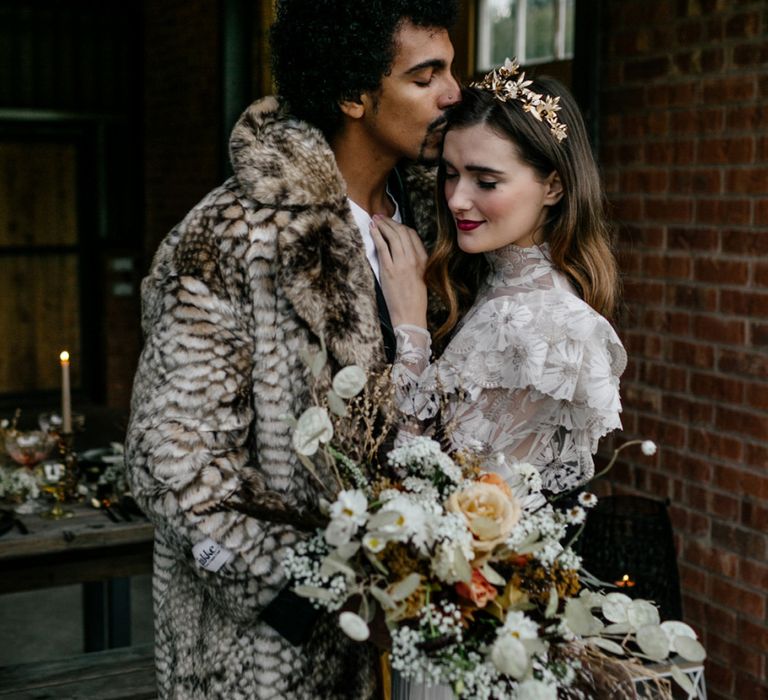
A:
(452, 94)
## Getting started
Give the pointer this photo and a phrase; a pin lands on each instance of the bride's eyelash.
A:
(486, 185)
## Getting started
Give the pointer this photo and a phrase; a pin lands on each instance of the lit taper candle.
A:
(66, 397)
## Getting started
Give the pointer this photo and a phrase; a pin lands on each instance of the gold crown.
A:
(505, 86)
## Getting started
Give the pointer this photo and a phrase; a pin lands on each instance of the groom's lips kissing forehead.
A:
(467, 225)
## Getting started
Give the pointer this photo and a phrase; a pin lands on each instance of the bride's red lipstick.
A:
(467, 225)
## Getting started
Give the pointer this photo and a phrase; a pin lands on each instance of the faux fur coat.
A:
(258, 270)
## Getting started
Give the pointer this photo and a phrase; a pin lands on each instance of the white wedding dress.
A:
(532, 374)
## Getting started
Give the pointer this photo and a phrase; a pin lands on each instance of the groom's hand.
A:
(402, 261)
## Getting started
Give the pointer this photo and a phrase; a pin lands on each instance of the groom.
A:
(264, 266)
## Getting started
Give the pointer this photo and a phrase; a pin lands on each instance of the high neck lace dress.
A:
(532, 374)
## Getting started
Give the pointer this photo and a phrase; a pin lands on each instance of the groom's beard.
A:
(432, 145)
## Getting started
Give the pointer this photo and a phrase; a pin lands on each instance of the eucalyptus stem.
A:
(331, 462)
(575, 536)
(610, 464)
(603, 472)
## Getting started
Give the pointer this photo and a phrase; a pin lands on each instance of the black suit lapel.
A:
(387, 332)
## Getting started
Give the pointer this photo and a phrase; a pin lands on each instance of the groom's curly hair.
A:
(327, 51)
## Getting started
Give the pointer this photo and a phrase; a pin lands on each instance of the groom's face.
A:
(405, 117)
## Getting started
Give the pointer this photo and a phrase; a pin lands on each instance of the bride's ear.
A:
(555, 189)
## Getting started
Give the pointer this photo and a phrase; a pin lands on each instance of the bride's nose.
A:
(458, 199)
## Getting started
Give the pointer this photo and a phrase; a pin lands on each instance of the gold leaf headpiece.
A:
(508, 83)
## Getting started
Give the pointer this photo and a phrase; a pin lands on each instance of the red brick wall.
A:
(684, 147)
(181, 110)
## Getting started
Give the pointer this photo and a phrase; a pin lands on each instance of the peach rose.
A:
(478, 590)
(496, 480)
(491, 512)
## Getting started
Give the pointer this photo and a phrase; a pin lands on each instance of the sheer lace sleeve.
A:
(532, 376)
(414, 346)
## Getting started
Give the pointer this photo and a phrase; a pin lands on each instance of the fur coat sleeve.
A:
(190, 442)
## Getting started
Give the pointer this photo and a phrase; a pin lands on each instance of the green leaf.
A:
(682, 680)
(385, 600)
(606, 644)
(402, 589)
(318, 363)
(331, 566)
(554, 601)
(689, 649)
(336, 403)
(314, 592)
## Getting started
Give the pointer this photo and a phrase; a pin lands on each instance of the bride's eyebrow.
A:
(483, 169)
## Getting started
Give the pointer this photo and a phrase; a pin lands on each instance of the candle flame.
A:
(64, 357)
(625, 578)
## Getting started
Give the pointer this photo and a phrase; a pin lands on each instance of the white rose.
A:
(510, 656)
(450, 563)
(648, 448)
(349, 382)
(313, 427)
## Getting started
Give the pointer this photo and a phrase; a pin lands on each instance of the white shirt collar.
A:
(363, 221)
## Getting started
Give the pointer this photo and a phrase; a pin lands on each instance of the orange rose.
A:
(478, 590)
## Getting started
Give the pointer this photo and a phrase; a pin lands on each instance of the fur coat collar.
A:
(287, 166)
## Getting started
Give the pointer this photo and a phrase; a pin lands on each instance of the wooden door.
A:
(39, 253)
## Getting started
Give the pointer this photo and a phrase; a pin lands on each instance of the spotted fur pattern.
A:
(259, 269)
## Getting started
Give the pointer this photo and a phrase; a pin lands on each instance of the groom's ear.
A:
(555, 189)
(354, 109)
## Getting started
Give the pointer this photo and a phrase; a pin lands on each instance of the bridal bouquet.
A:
(472, 569)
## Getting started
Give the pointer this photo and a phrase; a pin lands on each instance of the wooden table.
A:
(116, 674)
(87, 548)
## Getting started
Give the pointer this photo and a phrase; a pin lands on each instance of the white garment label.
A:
(210, 555)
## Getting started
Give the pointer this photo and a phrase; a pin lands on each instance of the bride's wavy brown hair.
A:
(576, 228)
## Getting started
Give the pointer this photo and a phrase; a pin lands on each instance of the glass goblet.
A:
(51, 421)
(29, 447)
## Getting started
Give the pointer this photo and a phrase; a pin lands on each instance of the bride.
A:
(524, 269)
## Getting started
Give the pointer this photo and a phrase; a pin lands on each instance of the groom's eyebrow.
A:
(436, 63)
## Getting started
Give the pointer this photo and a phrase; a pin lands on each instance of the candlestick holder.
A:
(69, 459)
(61, 483)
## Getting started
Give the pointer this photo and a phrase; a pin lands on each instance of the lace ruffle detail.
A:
(546, 341)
